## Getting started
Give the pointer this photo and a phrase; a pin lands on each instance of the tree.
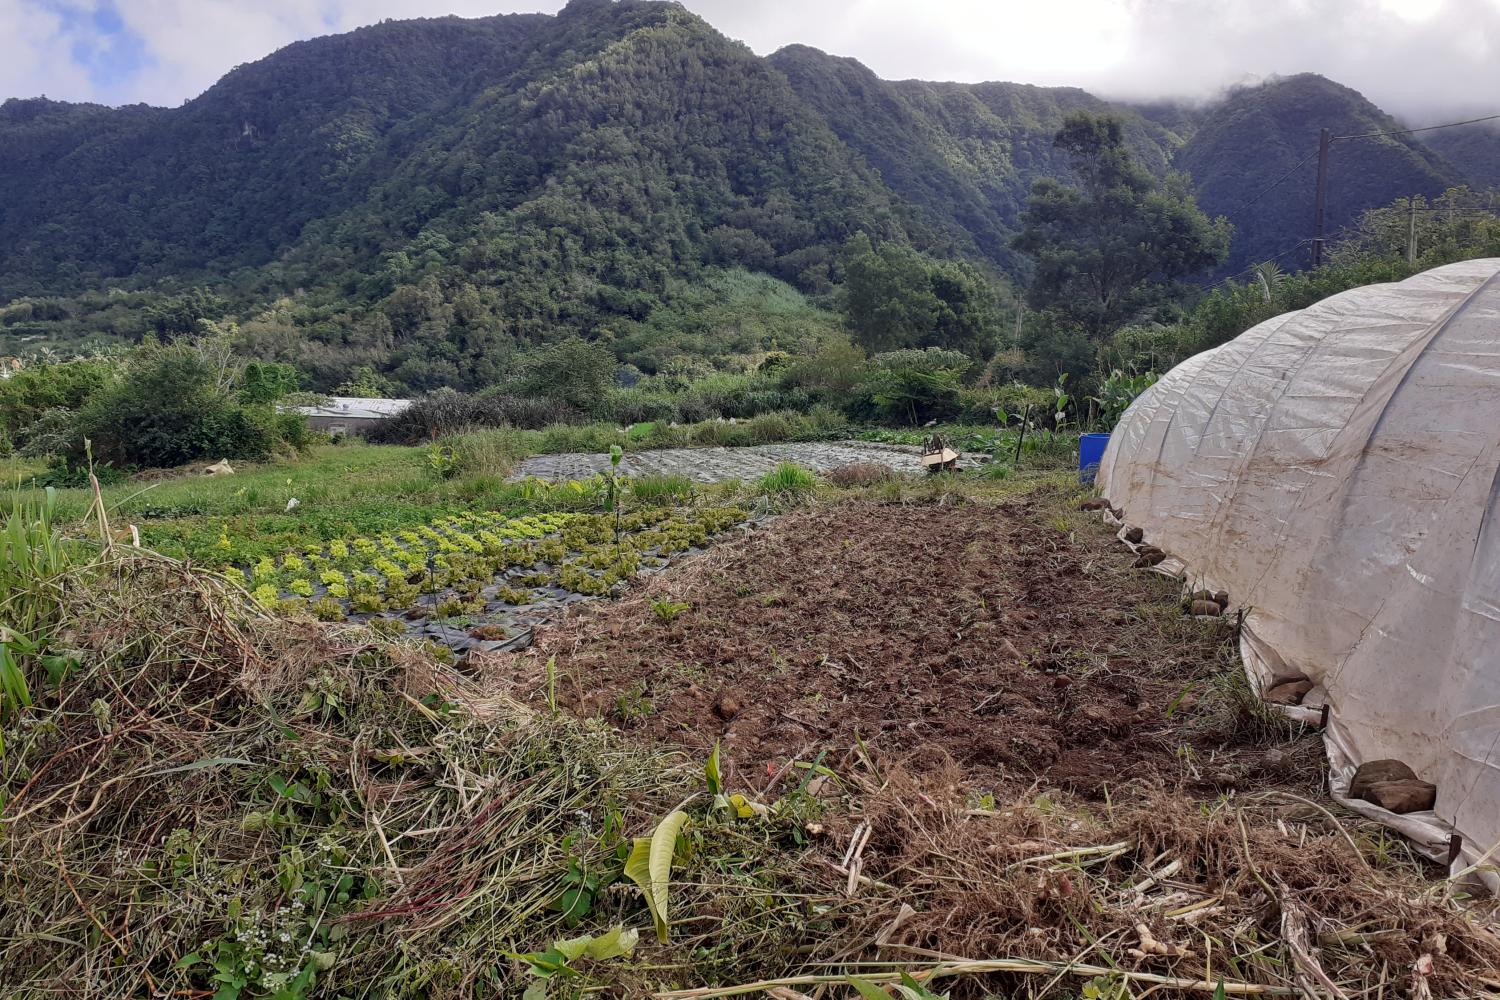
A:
(895, 298)
(1120, 241)
(268, 381)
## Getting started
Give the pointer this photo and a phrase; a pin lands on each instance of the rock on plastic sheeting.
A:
(1337, 470)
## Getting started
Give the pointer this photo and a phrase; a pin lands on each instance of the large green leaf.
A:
(650, 867)
(868, 990)
(613, 943)
(712, 773)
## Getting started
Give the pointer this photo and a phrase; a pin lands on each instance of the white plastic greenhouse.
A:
(1335, 470)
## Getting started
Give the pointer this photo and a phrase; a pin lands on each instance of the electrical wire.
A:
(1274, 184)
(1409, 131)
(1231, 277)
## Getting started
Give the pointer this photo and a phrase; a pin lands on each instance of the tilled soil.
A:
(1013, 639)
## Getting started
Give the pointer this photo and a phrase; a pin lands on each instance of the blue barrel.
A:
(1090, 454)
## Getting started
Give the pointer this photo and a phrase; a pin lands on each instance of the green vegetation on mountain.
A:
(429, 203)
(1259, 135)
(1474, 151)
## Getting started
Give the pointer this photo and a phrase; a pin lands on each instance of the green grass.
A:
(662, 489)
(362, 489)
(787, 478)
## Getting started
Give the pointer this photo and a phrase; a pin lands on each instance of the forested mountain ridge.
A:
(1256, 135)
(964, 155)
(429, 197)
(230, 177)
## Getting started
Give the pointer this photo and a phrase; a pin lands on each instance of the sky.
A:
(1423, 60)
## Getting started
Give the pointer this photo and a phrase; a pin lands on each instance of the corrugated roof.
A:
(353, 408)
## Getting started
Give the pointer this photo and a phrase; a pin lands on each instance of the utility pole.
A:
(1324, 138)
(1411, 232)
(1020, 309)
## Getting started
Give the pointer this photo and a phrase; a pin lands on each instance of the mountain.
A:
(1259, 136)
(231, 177)
(964, 156)
(431, 197)
(1473, 150)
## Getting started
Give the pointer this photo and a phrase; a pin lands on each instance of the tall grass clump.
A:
(662, 489)
(787, 479)
(33, 557)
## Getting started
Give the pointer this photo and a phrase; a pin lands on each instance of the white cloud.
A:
(36, 54)
(1417, 58)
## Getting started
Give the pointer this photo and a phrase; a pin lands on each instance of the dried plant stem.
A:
(1019, 966)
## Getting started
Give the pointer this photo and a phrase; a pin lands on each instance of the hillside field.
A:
(782, 738)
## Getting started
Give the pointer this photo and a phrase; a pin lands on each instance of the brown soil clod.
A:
(727, 706)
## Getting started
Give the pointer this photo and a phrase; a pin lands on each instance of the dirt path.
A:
(712, 465)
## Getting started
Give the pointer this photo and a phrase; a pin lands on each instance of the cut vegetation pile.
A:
(939, 757)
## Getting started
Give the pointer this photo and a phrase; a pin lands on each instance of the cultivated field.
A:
(629, 738)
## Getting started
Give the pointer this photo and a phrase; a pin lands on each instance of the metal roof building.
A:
(348, 414)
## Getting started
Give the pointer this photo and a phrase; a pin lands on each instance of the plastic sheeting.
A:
(1335, 470)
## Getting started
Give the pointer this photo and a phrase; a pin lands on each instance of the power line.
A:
(1366, 135)
(1409, 131)
(1231, 277)
(1274, 184)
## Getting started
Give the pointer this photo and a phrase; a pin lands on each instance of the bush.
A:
(484, 453)
(444, 411)
(39, 389)
(912, 385)
(984, 405)
(637, 406)
(861, 474)
(55, 432)
(574, 372)
(173, 405)
(498, 409)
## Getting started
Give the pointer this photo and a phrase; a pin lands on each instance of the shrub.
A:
(573, 371)
(483, 453)
(860, 474)
(913, 385)
(173, 405)
(787, 478)
(637, 406)
(39, 389)
(55, 432)
(986, 405)
(444, 411)
(497, 409)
